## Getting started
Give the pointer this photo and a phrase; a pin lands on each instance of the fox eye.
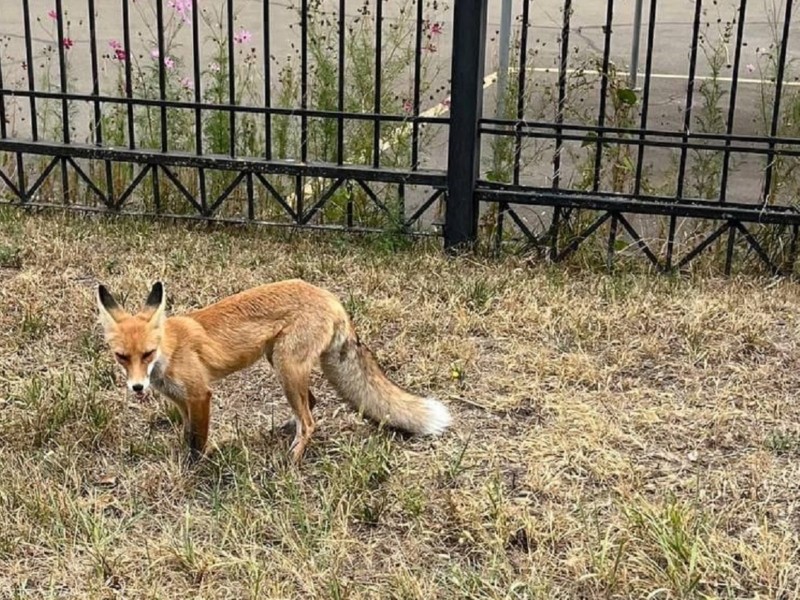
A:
(121, 357)
(148, 355)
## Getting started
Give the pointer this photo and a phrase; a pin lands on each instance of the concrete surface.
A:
(670, 59)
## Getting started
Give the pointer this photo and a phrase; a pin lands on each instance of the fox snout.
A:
(138, 386)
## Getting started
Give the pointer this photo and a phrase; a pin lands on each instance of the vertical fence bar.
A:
(162, 75)
(156, 188)
(723, 184)
(648, 71)
(376, 140)
(729, 250)
(126, 42)
(267, 84)
(98, 113)
(303, 86)
(62, 72)
(198, 98)
(503, 61)
(23, 195)
(562, 98)
(776, 105)
(601, 112)
(737, 61)
(601, 121)
(687, 123)
(231, 83)
(521, 80)
(251, 212)
(687, 114)
(417, 85)
(341, 84)
(466, 107)
(3, 132)
(26, 17)
(502, 80)
(198, 113)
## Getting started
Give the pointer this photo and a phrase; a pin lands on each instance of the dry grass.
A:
(615, 436)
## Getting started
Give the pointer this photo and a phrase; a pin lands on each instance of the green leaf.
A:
(627, 96)
(592, 136)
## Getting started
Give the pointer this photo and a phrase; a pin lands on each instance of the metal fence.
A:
(378, 115)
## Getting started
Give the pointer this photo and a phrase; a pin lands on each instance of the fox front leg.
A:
(198, 411)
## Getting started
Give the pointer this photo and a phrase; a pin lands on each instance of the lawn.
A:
(614, 435)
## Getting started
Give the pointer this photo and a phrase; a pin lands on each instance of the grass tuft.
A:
(616, 435)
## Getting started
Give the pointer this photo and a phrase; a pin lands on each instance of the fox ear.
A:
(108, 310)
(156, 304)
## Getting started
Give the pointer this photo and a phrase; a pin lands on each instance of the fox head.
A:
(134, 339)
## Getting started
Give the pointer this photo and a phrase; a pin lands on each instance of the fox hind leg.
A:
(294, 378)
(291, 424)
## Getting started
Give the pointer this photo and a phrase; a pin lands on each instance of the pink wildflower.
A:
(68, 43)
(432, 29)
(119, 52)
(750, 68)
(52, 14)
(408, 106)
(183, 8)
(168, 62)
(187, 84)
(213, 67)
(242, 37)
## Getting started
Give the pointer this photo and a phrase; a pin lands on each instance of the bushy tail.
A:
(357, 377)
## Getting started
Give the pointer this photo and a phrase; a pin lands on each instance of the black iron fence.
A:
(394, 115)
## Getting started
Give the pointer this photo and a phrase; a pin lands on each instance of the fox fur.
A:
(292, 323)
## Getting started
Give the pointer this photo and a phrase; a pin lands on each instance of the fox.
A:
(294, 324)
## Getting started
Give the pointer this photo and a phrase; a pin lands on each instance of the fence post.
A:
(466, 106)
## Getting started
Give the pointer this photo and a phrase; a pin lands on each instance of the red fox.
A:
(294, 324)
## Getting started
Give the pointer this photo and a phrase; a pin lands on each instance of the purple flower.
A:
(183, 8)
(168, 62)
(433, 29)
(242, 37)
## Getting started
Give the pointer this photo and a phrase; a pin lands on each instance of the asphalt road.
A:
(673, 32)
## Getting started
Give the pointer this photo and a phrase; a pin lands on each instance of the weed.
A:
(494, 509)
(10, 257)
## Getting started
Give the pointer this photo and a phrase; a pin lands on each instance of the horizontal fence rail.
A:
(315, 115)
(654, 130)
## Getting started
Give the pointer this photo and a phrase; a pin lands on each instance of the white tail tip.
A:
(439, 417)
